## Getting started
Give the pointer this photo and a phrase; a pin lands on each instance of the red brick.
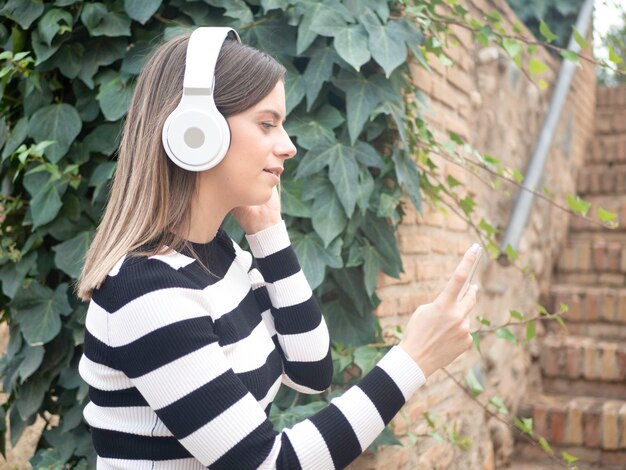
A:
(599, 256)
(591, 426)
(557, 423)
(610, 425)
(573, 364)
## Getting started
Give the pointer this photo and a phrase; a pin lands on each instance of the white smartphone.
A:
(468, 281)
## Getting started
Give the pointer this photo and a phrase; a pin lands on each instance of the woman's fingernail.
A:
(475, 248)
(475, 287)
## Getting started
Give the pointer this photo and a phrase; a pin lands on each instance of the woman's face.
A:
(258, 149)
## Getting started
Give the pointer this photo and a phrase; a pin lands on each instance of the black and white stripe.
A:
(183, 365)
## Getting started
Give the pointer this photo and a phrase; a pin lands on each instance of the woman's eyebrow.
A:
(276, 114)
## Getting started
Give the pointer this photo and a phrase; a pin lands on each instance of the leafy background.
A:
(67, 75)
(67, 78)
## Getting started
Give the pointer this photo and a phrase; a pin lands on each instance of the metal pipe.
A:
(523, 204)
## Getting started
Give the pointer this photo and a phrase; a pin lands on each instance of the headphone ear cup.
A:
(197, 138)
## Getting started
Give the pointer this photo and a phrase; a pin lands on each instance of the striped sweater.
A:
(183, 364)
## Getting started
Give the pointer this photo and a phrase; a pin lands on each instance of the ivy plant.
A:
(67, 74)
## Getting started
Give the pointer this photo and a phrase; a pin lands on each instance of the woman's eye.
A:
(267, 125)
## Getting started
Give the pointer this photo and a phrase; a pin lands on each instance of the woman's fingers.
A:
(468, 302)
(455, 284)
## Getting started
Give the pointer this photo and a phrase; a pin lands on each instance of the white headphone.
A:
(196, 136)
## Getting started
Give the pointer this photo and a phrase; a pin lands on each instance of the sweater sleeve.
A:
(191, 387)
(301, 331)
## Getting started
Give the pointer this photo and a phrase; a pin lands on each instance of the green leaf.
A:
(60, 123)
(295, 89)
(104, 139)
(12, 275)
(505, 333)
(344, 174)
(328, 216)
(613, 57)
(286, 418)
(33, 356)
(571, 56)
(530, 330)
(314, 257)
(578, 205)
(366, 357)
(317, 130)
(546, 447)
(331, 19)
(31, 397)
(318, 71)
(100, 52)
(114, 95)
(499, 404)
(476, 340)
(473, 383)
(467, 204)
(408, 176)
(368, 156)
(381, 235)
(372, 262)
(350, 283)
(346, 327)
(291, 199)
(141, 11)
(351, 45)
(386, 42)
(580, 40)
(544, 29)
(606, 216)
(512, 47)
(23, 12)
(536, 66)
(37, 309)
(362, 97)
(237, 9)
(45, 204)
(99, 21)
(49, 25)
(17, 135)
(517, 315)
(70, 255)
(68, 59)
(569, 458)
(511, 253)
(524, 424)
(306, 34)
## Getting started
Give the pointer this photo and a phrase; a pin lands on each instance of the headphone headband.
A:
(203, 50)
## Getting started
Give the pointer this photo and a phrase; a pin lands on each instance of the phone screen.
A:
(468, 281)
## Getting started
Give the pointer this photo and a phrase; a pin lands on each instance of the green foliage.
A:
(67, 75)
(550, 19)
(615, 42)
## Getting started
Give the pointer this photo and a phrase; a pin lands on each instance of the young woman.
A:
(188, 336)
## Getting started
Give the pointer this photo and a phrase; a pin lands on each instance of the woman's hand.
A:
(253, 219)
(437, 333)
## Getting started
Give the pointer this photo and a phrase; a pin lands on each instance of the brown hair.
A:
(150, 197)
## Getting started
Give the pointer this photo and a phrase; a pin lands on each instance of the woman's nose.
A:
(285, 147)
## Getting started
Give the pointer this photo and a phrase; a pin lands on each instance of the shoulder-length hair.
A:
(150, 198)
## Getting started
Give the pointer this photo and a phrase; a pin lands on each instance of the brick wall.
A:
(493, 106)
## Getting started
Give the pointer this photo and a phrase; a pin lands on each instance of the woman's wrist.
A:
(259, 225)
(420, 358)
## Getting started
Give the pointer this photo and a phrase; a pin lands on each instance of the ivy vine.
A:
(67, 74)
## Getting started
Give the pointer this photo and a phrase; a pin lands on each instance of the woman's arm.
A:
(180, 370)
(300, 327)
